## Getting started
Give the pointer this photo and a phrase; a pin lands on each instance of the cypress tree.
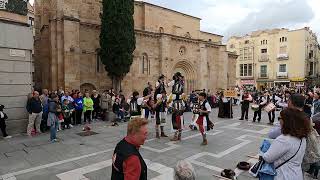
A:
(117, 38)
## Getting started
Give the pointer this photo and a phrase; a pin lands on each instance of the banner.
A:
(230, 93)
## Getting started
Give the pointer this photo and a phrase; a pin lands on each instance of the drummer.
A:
(261, 101)
(245, 101)
(271, 99)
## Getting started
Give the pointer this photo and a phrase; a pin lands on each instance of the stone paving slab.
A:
(35, 158)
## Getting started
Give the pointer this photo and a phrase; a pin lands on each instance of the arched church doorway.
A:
(188, 71)
(87, 87)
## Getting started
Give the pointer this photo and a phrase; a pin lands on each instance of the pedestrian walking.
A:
(3, 118)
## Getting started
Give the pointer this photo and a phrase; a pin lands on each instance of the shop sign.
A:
(298, 79)
(247, 81)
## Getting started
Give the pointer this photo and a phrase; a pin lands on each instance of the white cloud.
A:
(31, 2)
(281, 13)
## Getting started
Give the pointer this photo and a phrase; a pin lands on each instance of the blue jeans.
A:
(53, 131)
(120, 114)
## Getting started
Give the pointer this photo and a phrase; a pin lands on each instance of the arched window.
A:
(282, 39)
(161, 30)
(145, 64)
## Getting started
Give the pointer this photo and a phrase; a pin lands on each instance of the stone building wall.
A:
(70, 32)
(16, 44)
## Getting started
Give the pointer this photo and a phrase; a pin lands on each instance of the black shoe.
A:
(241, 119)
(253, 120)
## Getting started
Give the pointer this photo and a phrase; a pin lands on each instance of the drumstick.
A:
(221, 177)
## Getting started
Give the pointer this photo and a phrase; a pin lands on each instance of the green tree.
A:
(117, 38)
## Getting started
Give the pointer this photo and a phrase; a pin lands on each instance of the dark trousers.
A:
(95, 112)
(244, 111)
(257, 113)
(78, 116)
(67, 122)
(271, 116)
(3, 128)
(87, 116)
(73, 117)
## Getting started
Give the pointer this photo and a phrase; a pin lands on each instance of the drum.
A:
(270, 107)
(255, 107)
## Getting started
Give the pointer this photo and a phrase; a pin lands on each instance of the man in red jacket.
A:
(127, 162)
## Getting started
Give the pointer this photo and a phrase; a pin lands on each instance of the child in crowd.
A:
(67, 112)
(118, 110)
(3, 126)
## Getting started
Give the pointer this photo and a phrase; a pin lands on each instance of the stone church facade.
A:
(167, 41)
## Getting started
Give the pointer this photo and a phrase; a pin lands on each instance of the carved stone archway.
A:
(189, 73)
(87, 87)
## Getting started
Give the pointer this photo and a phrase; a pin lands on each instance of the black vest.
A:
(122, 151)
(177, 87)
(209, 123)
(203, 107)
(160, 88)
(135, 109)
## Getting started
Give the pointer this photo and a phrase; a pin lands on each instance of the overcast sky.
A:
(238, 17)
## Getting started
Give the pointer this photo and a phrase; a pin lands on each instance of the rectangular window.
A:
(311, 69)
(263, 71)
(249, 69)
(263, 50)
(246, 70)
(241, 69)
(246, 42)
(282, 68)
(310, 54)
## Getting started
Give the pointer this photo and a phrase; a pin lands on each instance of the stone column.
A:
(71, 53)
(164, 55)
(203, 67)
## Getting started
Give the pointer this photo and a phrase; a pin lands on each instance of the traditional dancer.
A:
(160, 86)
(136, 103)
(203, 120)
(195, 111)
(161, 114)
(177, 104)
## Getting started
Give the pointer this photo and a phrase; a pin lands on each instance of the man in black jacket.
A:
(34, 107)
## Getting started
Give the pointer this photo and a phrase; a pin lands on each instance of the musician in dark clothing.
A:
(245, 102)
(261, 101)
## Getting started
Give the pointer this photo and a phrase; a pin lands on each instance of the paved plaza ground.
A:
(89, 158)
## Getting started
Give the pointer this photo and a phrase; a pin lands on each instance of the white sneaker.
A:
(71, 125)
(8, 137)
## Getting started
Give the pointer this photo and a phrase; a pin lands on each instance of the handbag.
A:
(312, 153)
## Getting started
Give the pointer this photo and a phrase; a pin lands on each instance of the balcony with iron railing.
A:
(284, 56)
(282, 74)
(263, 57)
